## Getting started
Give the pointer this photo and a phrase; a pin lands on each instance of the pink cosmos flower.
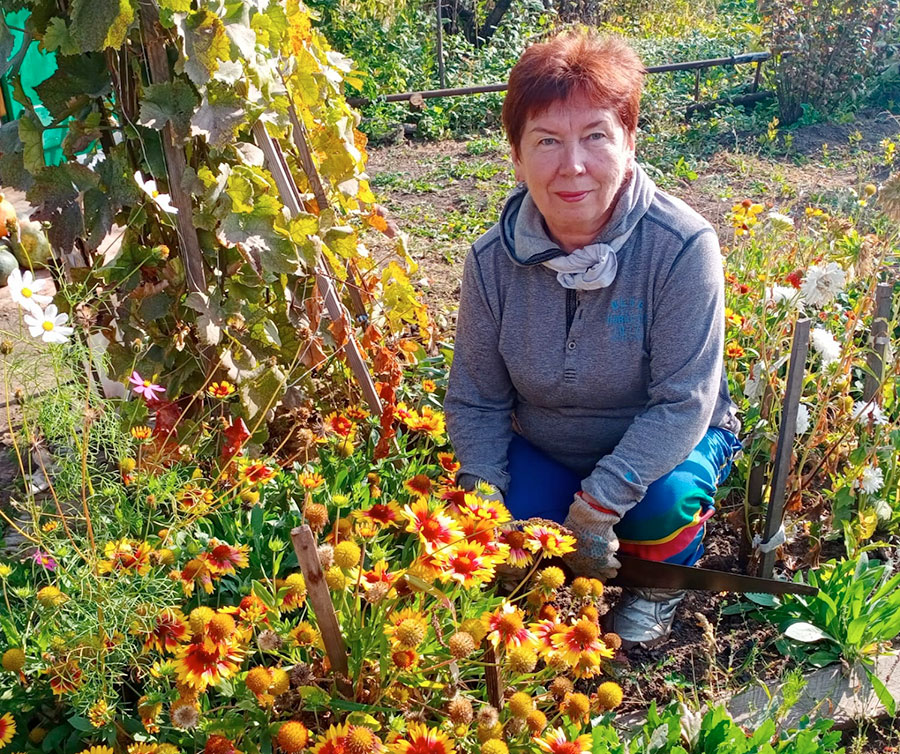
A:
(144, 387)
(44, 559)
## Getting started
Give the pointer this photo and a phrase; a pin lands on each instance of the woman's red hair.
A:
(604, 70)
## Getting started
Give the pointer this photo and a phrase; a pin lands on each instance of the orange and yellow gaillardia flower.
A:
(556, 742)
(548, 540)
(7, 728)
(167, 632)
(468, 564)
(198, 665)
(333, 741)
(435, 528)
(506, 627)
(125, 555)
(223, 558)
(420, 739)
(383, 514)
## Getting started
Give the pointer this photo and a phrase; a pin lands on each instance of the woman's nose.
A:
(572, 160)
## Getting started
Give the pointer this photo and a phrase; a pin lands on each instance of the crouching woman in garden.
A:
(588, 384)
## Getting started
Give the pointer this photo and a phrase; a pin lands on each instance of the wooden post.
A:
(320, 600)
(492, 677)
(290, 195)
(440, 45)
(175, 160)
(315, 181)
(878, 342)
(756, 76)
(786, 430)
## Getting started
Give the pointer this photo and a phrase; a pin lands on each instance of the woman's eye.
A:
(547, 141)
(597, 135)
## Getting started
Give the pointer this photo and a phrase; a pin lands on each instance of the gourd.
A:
(35, 248)
(8, 263)
(7, 215)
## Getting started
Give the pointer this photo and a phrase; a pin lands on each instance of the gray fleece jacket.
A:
(619, 384)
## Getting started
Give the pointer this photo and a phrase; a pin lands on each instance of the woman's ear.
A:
(517, 165)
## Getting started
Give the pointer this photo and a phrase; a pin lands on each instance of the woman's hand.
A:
(592, 525)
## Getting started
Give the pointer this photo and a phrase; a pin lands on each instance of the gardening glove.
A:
(592, 525)
(485, 490)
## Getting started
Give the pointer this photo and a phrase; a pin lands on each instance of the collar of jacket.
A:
(524, 233)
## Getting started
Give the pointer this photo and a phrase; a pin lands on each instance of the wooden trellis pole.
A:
(786, 430)
(320, 599)
(878, 342)
(290, 195)
(176, 163)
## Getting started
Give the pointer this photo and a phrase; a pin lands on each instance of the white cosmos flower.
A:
(870, 480)
(824, 343)
(868, 411)
(882, 509)
(48, 325)
(22, 291)
(779, 221)
(163, 201)
(823, 283)
(753, 387)
(802, 419)
(778, 293)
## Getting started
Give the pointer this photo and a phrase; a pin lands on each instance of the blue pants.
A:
(668, 524)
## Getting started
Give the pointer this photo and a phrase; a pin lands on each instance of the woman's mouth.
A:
(572, 196)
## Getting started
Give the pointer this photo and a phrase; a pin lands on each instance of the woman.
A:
(587, 384)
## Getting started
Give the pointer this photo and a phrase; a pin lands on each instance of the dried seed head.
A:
(316, 516)
(462, 644)
(560, 686)
(377, 592)
(326, 556)
(268, 641)
(613, 641)
(459, 710)
(487, 717)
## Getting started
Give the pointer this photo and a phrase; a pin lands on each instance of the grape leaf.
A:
(98, 24)
(31, 134)
(205, 44)
(169, 102)
(217, 123)
(78, 78)
(58, 38)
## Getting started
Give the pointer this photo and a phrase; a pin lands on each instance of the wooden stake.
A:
(301, 141)
(290, 195)
(492, 677)
(783, 450)
(174, 153)
(320, 600)
(878, 342)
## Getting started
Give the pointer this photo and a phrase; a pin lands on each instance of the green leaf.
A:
(58, 38)
(260, 590)
(218, 123)
(78, 80)
(823, 657)
(31, 134)
(271, 253)
(176, 6)
(881, 691)
(263, 394)
(270, 26)
(205, 44)
(156, 306)
(805, 632)
(760, 598)
(61, 184)
(342, 241)
(170, 102)
(98, 24)
(80, 723)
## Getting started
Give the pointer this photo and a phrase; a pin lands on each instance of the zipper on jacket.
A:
(571, 306)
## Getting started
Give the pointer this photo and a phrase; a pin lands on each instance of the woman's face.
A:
(574, 157)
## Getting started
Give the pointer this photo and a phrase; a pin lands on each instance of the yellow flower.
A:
(8, 729)
(50, 596)
(141, 432)
(220, 390)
